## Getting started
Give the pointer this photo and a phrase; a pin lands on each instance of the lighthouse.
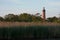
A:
(43, 14)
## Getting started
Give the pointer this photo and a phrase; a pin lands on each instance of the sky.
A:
(30, 6)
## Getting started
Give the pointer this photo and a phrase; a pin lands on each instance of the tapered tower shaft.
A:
(43, 13)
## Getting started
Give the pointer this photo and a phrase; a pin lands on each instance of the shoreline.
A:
(5, 24)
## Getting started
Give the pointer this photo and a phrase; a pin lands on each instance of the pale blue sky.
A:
(30, 6)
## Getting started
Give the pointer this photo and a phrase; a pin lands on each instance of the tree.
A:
(36, 18)
(1, 19)
(52, 19)
(11, 17)
(25, 17)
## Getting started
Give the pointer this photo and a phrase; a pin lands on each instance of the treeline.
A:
(25, 17)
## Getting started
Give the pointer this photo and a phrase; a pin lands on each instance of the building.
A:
(43, 14)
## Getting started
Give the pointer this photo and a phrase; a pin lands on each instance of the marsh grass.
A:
(13, 24)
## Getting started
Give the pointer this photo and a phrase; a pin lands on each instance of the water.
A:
(31, 32)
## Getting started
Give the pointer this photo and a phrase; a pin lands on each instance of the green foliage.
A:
(52, 19)
(11, 17)
(25, 17)
(29, 18)
(36, 18)
(1, 19)
(58, 21)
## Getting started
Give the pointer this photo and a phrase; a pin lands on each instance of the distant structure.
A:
(43, 14)
(37, 14)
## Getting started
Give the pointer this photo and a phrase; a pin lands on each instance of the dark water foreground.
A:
(32, 32)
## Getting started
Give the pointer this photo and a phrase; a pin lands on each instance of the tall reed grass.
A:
(30, 32)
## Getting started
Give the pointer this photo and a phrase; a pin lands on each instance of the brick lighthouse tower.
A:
(43, 14)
